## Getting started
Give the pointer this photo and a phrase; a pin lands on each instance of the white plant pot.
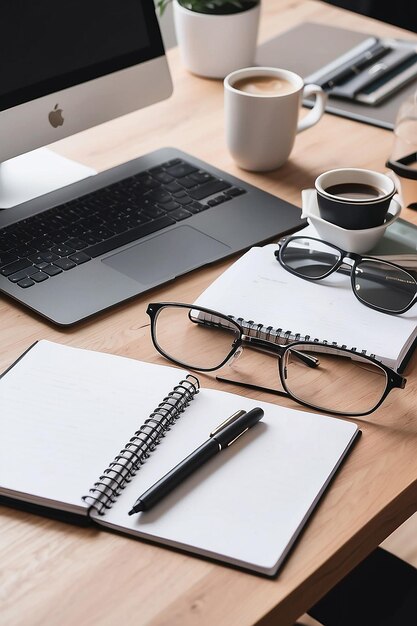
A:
(215, 45)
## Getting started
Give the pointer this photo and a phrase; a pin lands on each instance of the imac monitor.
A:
(65, 67)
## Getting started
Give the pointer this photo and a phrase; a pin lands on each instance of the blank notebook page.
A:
(248, 503)
(65, 414)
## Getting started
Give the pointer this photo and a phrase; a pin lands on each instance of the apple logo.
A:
(55, 117)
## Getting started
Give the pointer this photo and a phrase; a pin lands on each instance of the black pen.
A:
(222, 437)
(354, 66)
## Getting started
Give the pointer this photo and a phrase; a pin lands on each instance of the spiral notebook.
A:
(273, 304)
(85, 433)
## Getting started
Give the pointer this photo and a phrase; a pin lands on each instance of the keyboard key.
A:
(14, 278)
(208, 189)
(202, 177)
(172, 162)
(188, 182)
(236, 191)
(129, 236)
(163, 177)
(26, 282)
(76, 243)
(173, 187)
(215, 201)
(52, 270)
(154, 211)
(171, 206)
(65, 264)
(159, 195)
(181, 169)
(7, 257)
(15, 267)
(43, 257)
(80, 257)
(39, 277)
(180, 214)
(62, 250)
(184, 200)
(196, 207)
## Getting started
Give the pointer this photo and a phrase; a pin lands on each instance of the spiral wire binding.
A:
(129, 460)
(281, 337)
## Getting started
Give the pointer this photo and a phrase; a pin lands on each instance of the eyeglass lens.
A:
(309, 258)
(376, 283)
(339, 374)
(384, 286)
(196, 339)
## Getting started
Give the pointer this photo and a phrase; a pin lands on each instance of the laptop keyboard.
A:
(59, 239)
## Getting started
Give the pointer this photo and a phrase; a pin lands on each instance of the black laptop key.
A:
(173, 187)
(26, 282)
(180, 214)
(14, 278)
(201, 177)
(208, 189)
(188, 182)
(129, 236)
(65, 264)
(39, 277)
(7, 270)
(43, 257)
(76, 243)
(181, 169)
(79, 258)
(196, 207)
(62, 250)
(236, 191)
(8, 257)
(159, 195)
(184, 200)
(170, 206)
(52, 270)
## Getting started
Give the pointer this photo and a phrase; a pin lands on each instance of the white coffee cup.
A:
(261, 127)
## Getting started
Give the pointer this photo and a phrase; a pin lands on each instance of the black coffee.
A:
(355, 191)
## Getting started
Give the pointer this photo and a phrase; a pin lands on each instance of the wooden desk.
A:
(54, 573)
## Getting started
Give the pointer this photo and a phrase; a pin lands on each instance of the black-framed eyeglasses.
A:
(379, 284)
(317, 375)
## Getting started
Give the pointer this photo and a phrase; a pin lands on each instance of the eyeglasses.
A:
(317, 375)
(381, 285)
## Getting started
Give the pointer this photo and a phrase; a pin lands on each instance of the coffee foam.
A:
(264, 85)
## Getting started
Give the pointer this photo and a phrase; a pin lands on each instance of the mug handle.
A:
(317, 111)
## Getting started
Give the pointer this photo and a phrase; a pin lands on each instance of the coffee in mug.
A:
(355, 191)
(264, 85)
(262, 107)
(354, 198)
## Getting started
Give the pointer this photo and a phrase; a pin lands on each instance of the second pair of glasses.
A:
(379, 284)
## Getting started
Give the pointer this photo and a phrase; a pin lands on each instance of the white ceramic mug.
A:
(261, 128)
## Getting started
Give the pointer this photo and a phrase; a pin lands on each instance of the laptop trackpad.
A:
(167, 255)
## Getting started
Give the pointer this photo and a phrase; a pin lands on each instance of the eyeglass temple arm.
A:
(268, 346)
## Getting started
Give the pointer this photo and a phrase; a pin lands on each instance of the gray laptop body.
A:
(121, 274)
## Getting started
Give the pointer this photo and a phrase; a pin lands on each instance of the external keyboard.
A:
(59, 239)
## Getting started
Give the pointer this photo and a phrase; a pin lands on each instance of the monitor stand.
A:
(36, 173)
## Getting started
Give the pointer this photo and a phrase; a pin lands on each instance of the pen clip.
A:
(227, 421)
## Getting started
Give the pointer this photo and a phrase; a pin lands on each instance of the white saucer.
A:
(358, 241)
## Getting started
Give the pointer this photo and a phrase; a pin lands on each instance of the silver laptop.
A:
(111, 237)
